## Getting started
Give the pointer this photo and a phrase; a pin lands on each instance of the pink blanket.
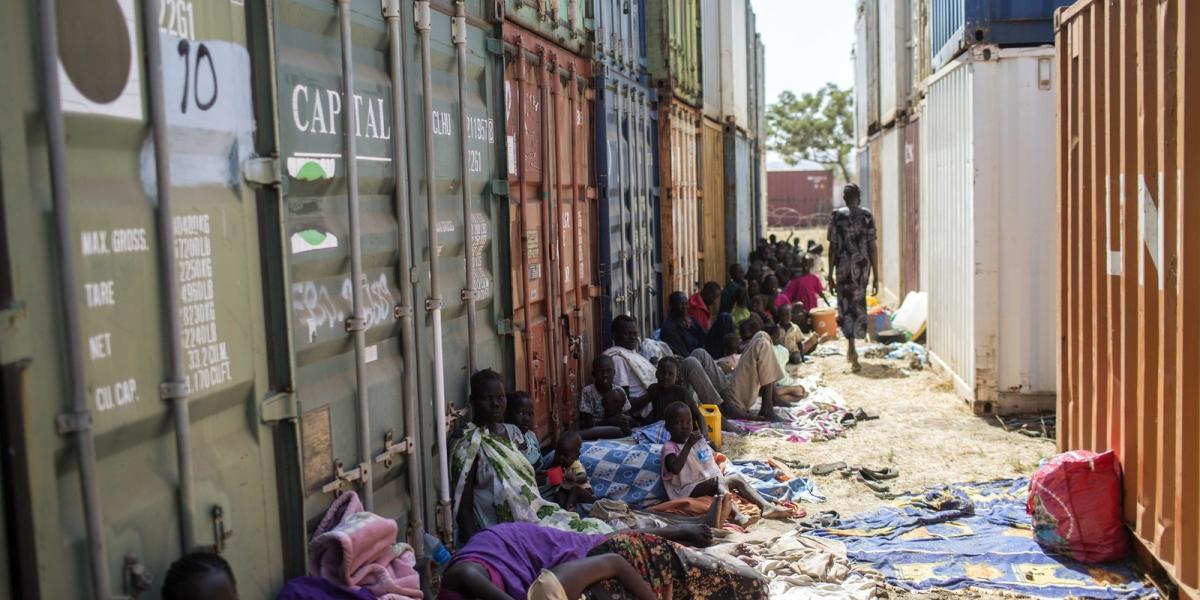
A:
(355, 548)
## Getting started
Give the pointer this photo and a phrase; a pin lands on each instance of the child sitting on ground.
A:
(788, 389)
(689, 470)
(668, 375)
(615, 404)
(574, 488)
(793, 338)
(519, 412)
(591, 399)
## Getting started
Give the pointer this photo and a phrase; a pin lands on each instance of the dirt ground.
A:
(924, 430)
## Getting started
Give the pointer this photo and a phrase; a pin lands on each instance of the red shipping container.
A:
(794, 196)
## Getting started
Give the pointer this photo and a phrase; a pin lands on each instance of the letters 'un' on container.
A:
(987, 226)
(679, 163)
(794, 197)
(956, 25)
(626, 128)
(673, 50)
(866, 70)
(1129, 261)
(712, 202)
(263, 251)
(548, 117)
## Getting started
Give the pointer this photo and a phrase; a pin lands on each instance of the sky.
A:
(808, 44)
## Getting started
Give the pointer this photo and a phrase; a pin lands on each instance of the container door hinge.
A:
(500, 187)
(67, 423)
(173, 390)
(279, 407)
(495, 46)
(392, 449)
(345, 480)
(401, 311)
(504, 327)
(475, 295)
(262, 170)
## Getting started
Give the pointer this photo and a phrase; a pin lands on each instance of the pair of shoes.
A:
(828, 468)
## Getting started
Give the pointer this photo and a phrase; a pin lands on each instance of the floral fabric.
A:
(675, 572)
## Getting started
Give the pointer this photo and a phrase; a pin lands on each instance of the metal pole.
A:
(623, 184)
(522, 205)
(434, 302)
(356, 325)
(578, 197)
(468, 294)
(391, 13)
(175, 388)
(80, 417)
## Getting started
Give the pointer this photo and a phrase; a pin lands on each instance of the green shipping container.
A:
(569, 23)
(673, 48)
(255, 119)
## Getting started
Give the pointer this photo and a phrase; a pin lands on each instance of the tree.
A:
(818, 126)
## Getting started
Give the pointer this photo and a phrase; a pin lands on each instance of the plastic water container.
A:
(435, 550)
(712, 418)
(824, 322)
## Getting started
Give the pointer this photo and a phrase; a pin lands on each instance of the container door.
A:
(316, 253)
(712, 206)
(738, 215)
(680, 245)
(911, 262)
(548, 117)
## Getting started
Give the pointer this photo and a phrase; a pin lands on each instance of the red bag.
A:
(1075, 500)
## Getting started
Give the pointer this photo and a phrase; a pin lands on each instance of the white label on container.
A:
(371, 353)
(512, 154)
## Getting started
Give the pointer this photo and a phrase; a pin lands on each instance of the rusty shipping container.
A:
(795, 196)
(910, 251)
(679, 160)
(1129, 261)
(548, 122)
(712, 202)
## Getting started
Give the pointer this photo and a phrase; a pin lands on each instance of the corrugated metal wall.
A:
(895, 77)
(710, 49)
(712, 213)
(739, 230)
(987, 183)
(679, 158)
(735, 50)
(866, 70)
(1129, 261)
(889, 220)
(910, 261)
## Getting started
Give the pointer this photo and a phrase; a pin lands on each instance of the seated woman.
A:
(506, 561)
(493, 482)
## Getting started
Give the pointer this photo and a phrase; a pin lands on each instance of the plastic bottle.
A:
(435, 550)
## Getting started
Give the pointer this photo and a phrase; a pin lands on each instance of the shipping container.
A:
(710, 57)
(673, 48)
(987, 226)
(866, 70)
(548, 121)
(794, 197)
(621, 36)
(895, 61)
(752, 91)
(739, 227)
(888, 220)
(734, 48)
(95, 446)
(956, 25)
(921, 66)
(679, 161)
(761, 111)
(910, 250)
(626, 118)
(712, 202)
(1129, 263)
(569, 24)
(873, 198)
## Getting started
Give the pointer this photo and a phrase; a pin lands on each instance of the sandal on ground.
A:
(828, 468)
(879, 474)
(875, 486)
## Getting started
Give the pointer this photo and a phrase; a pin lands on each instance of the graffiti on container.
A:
(318, 308)
(210, 114)
(205, 353)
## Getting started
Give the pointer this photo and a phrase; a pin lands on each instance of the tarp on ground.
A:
(974, 535)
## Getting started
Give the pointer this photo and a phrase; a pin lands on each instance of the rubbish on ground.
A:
(1034, 426)
(1075, 500)
(800, 567)
(823, 519)
(912, 314)
(828, 350)
(892, 336)
(974, 535)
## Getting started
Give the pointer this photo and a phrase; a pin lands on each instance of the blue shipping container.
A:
(959, 24)
(627, 172)
(621, 36)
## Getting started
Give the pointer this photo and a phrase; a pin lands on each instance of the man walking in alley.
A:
(852, 266)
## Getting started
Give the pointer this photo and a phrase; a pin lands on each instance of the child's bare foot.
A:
(738, 518)
(774, 511)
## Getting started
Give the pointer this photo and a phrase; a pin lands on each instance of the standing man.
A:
(852, 267)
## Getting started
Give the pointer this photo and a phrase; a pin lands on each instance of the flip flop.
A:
(874, 485)
(879, 474)
(828, 468)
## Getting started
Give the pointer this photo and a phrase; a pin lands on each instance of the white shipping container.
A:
(888, 225)
(710, 47)
(752, 91)
(735, 85)
(895, 62)
(866, 70)
(988, 226)
(763, 100)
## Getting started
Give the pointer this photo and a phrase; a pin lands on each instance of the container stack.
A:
(954, 123)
